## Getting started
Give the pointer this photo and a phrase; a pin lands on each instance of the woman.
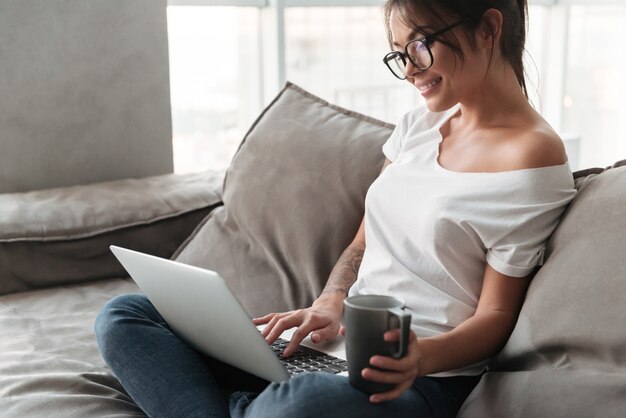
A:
(473, 185)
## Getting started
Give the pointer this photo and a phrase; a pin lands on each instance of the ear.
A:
(489, 29)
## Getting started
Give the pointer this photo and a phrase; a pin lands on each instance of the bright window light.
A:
(214, 82)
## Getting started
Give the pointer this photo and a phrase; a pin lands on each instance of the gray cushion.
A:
(293, 200)
(567, 354)
(50, 365)
(62, 235)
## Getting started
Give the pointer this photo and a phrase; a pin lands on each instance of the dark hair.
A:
(440, 13)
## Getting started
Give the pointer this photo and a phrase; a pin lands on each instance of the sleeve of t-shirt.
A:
(519, 235)
(393, 146)
(396, 141)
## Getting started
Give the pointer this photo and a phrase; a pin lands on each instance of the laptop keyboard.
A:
(307, 360)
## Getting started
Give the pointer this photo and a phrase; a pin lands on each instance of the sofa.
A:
(273, 226)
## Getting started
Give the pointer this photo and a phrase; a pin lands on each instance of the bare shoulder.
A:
(537, 147)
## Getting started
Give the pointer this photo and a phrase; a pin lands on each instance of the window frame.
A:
(272, 38)
(356, 3)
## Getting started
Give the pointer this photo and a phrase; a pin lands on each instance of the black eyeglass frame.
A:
(427, 41)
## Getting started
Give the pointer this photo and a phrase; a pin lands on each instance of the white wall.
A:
(84, 92)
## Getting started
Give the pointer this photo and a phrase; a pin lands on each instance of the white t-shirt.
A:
(429, 231)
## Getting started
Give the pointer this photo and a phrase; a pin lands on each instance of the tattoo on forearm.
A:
(345, 271)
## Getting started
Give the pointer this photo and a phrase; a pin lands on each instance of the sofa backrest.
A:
(85, 92)
(293, 200)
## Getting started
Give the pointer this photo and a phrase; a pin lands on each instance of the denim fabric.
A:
(167, 378)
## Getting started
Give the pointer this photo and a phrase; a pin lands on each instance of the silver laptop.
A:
(201, 310)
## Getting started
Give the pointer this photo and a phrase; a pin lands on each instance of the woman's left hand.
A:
(402, 372)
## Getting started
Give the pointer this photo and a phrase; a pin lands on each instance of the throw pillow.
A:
(293, 201)
(62, 235)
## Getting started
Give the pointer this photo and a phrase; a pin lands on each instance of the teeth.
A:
(426, 86)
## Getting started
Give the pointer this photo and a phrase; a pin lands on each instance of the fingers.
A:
(323, 334)
(320, 329)
(269, 321)
(263, 320)
(401, 379)
(394, 335)
(300, 319)
(395, 393)
(297, 337)
(408, 362)
(400, 372)
(280, 323)
(385, 376)
(323, 324)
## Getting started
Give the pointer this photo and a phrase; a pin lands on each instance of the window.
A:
(336, 53)
(534, 58)
(219, 70)
(593, 100)
(214, 79)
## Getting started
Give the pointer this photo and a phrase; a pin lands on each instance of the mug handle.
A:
(403, 321)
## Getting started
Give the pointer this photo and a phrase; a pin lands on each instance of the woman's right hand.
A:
(321, 320)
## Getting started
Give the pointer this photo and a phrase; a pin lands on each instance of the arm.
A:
(484, 334)
(345, 271)
(478, 338)
(344, 274)
(323, 318)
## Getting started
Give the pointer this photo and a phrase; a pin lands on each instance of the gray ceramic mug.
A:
(366, 318)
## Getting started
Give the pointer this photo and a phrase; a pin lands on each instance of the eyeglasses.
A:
(417, 52)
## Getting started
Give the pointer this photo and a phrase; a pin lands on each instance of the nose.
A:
(411, 70)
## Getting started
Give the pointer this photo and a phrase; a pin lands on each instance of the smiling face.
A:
(449, 80)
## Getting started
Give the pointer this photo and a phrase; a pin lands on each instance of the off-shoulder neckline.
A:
(439, 139)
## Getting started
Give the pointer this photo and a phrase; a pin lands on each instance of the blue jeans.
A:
(167, 378)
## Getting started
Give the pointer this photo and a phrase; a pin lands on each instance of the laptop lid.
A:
(202, 311)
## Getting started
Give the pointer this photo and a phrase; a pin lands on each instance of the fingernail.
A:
(374, 399)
